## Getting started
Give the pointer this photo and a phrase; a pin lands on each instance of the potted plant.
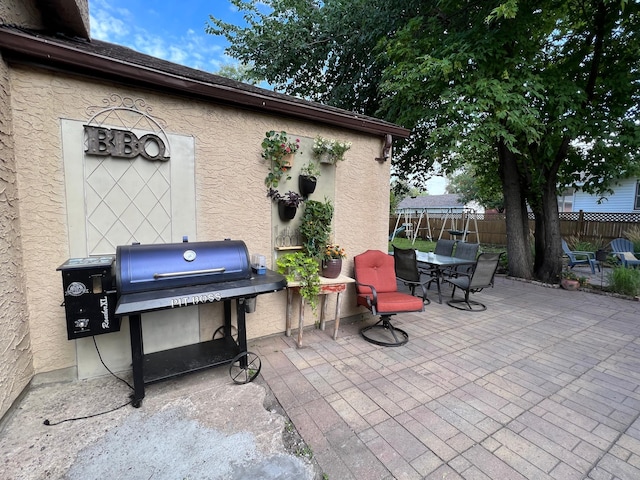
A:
(328, 150)
(308, 178)
(299, 267)
(569, 280)
(315, 227)
(278, 150)
(332, 261)
(287, 204)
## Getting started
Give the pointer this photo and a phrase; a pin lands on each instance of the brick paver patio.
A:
(545, 384)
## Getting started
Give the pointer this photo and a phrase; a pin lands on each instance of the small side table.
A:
(327, 285)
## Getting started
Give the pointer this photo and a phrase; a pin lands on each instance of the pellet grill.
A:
(176, 275)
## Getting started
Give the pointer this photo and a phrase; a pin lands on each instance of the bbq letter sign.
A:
(123, 144)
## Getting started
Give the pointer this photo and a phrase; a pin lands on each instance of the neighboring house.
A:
(437, 204)
(626, 199)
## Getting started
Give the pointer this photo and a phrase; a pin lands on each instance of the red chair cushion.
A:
(394, 302)
(376, 268)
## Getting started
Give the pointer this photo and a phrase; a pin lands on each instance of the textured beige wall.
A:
(231, 197)
(16, 365)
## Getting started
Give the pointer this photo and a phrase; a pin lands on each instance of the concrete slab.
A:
(199, 426)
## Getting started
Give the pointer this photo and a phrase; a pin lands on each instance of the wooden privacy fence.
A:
(597, 228)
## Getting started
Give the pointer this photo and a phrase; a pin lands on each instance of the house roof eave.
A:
(52, 54)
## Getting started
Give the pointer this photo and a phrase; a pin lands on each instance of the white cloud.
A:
(189, 48)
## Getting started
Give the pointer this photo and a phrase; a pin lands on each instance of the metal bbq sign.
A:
(118, 143)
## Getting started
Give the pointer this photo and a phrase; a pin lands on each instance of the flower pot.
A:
(287, 160)
(326, 158)
(286, 212)
(331, 268)
(307, 185)
(569, 284)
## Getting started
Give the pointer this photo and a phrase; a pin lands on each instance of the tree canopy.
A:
(540, 94)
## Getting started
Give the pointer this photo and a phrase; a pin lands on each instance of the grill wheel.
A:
(245, 367)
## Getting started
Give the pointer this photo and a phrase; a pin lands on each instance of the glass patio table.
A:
(438, 264)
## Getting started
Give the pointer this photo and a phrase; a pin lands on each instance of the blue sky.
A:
(167, 29)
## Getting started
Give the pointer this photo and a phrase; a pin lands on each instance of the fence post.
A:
(580, 225)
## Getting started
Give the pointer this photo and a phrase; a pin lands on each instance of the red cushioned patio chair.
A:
(377, 290)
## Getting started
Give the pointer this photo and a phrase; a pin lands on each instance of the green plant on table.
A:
(299, 267)
(334, 252)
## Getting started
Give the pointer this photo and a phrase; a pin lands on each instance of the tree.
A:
(239, 72)
(472, 187)
(524, 83)
(541, 93)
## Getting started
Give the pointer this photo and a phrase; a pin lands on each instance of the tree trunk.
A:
(518, 250)
(548, 254)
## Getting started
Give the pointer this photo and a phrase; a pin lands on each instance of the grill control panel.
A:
(89, 296)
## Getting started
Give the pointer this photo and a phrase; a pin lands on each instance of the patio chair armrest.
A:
(374, 294)
(587, 254)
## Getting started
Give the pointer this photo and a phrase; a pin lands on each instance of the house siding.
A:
(622, 201)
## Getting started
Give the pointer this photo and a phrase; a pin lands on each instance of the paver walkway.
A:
(545, 384)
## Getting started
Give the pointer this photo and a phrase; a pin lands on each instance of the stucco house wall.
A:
(16, 363)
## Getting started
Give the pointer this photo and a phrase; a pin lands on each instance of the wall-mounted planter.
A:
(287, 160)
(307, 184)
(326, 159)
(286, 212)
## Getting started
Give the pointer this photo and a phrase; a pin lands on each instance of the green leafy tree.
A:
(239, 72)
(541, 93)
(472, 187)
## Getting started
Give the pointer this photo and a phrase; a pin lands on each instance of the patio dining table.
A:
(438, 264)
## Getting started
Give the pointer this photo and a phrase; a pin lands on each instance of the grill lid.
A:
(142, 268)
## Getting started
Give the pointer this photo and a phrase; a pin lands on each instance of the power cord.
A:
(48, 423)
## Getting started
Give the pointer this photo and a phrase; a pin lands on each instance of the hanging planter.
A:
(308, 178)
(287, 204)
(307, 185)
(287, 160)
(325, 158)
(286, 212)
(329, 151)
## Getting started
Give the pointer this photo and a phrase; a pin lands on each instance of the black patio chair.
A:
(443, 247)
(481, 277)
(467, 251)
(406, 268)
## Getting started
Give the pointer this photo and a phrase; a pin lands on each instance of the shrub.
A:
(625, 281)
(633, 234)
